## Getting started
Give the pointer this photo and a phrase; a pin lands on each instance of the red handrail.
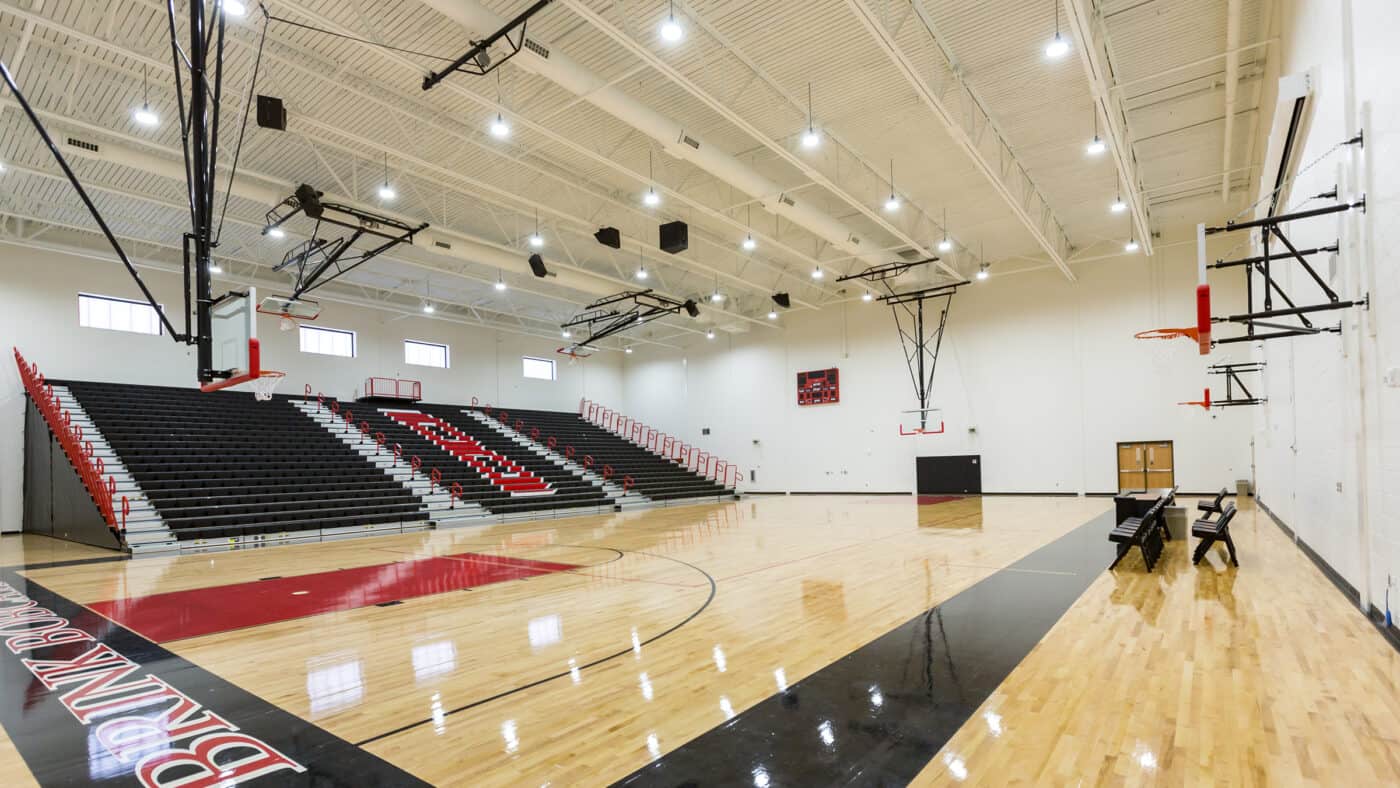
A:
(70, 436)
(671, 448)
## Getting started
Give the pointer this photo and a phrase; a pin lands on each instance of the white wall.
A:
(1328, 442)
(39, 315)
(1046, 371)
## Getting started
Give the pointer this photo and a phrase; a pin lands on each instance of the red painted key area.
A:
(206, 611)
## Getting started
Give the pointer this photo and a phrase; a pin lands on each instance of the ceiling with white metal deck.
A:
(959, 100)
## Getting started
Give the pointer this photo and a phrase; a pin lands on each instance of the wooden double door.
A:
(1146, 465)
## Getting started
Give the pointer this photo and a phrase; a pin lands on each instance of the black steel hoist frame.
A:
(1232, 373)
(919, 338)
(203, 60)
(477, 60)
(1270, 229)
(315, 257)
(641, 307)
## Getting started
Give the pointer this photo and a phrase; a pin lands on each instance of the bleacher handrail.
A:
(657, 442)
(396, 388)
(81, 455)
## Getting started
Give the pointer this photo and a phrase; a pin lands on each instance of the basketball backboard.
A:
(233, 339)
(926, 421)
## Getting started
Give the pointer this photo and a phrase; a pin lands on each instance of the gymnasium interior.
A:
(699, 393)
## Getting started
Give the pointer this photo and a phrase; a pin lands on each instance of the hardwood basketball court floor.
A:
(771, 641)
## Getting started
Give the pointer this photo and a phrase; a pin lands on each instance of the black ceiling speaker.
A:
(271, 113)
(782, 300)
(609, 236)
(675, 237)
(691, 308)
(537, 266)
(310, 200)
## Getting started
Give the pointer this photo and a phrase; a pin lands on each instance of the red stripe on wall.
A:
(206, 611)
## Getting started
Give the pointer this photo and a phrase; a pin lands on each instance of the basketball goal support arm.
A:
(92, 208)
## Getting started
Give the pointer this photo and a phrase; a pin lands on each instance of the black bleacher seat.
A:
(652, 475)
(223, 465)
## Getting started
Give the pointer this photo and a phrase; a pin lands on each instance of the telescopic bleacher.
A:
(222, 469)
(654, 476)
(565, 492)
(222, 465)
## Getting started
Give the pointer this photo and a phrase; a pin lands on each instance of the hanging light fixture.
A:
(277, 232)
(499, 128)
(710, 334)
(234, 8)
(641, 264)
(386, 192)
(1058, 47)
(892, 204)
(749, 243)
(1118, 205)
(536, 240)
(215, 268)
(627, 349)
(144, 115)
(817, 273)
(772, 315)
(500, 282)
(867, 297)
(1132, 245)
(651, 198)
(982, 270)
(566, 333)
(810, 138)
(671, 30)
(428, 308)
(945, 245)
(1096, 145)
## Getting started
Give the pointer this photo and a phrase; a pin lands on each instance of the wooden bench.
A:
(1209, 531)
(1145, 532)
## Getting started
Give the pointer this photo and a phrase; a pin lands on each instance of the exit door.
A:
(1144, 465)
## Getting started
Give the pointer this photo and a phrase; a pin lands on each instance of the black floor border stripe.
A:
(61, 750)
(878, 715)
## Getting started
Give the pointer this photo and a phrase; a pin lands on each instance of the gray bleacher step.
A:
(143, 522)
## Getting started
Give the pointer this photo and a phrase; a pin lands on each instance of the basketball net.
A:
(266, 383)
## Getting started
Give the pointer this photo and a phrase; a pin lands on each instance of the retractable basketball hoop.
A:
(574, 352)
(234, 348)
(1200, 333)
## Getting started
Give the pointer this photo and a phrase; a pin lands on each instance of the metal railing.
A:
(90, 468)
(667, 446)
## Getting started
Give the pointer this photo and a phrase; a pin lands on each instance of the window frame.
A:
(553, 368)
(302, 328)
(446, 353)
(129, 302)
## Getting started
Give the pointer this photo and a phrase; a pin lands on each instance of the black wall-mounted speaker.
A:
(537, 266)
(310, 200)
(271, 113)
(782, 300)
(609, 236)
(691, 308)
(675, 237)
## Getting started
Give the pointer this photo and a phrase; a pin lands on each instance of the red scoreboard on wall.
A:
(819, 387)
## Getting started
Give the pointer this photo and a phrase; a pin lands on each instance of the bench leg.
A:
(1230, 545)
(1202, 548)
